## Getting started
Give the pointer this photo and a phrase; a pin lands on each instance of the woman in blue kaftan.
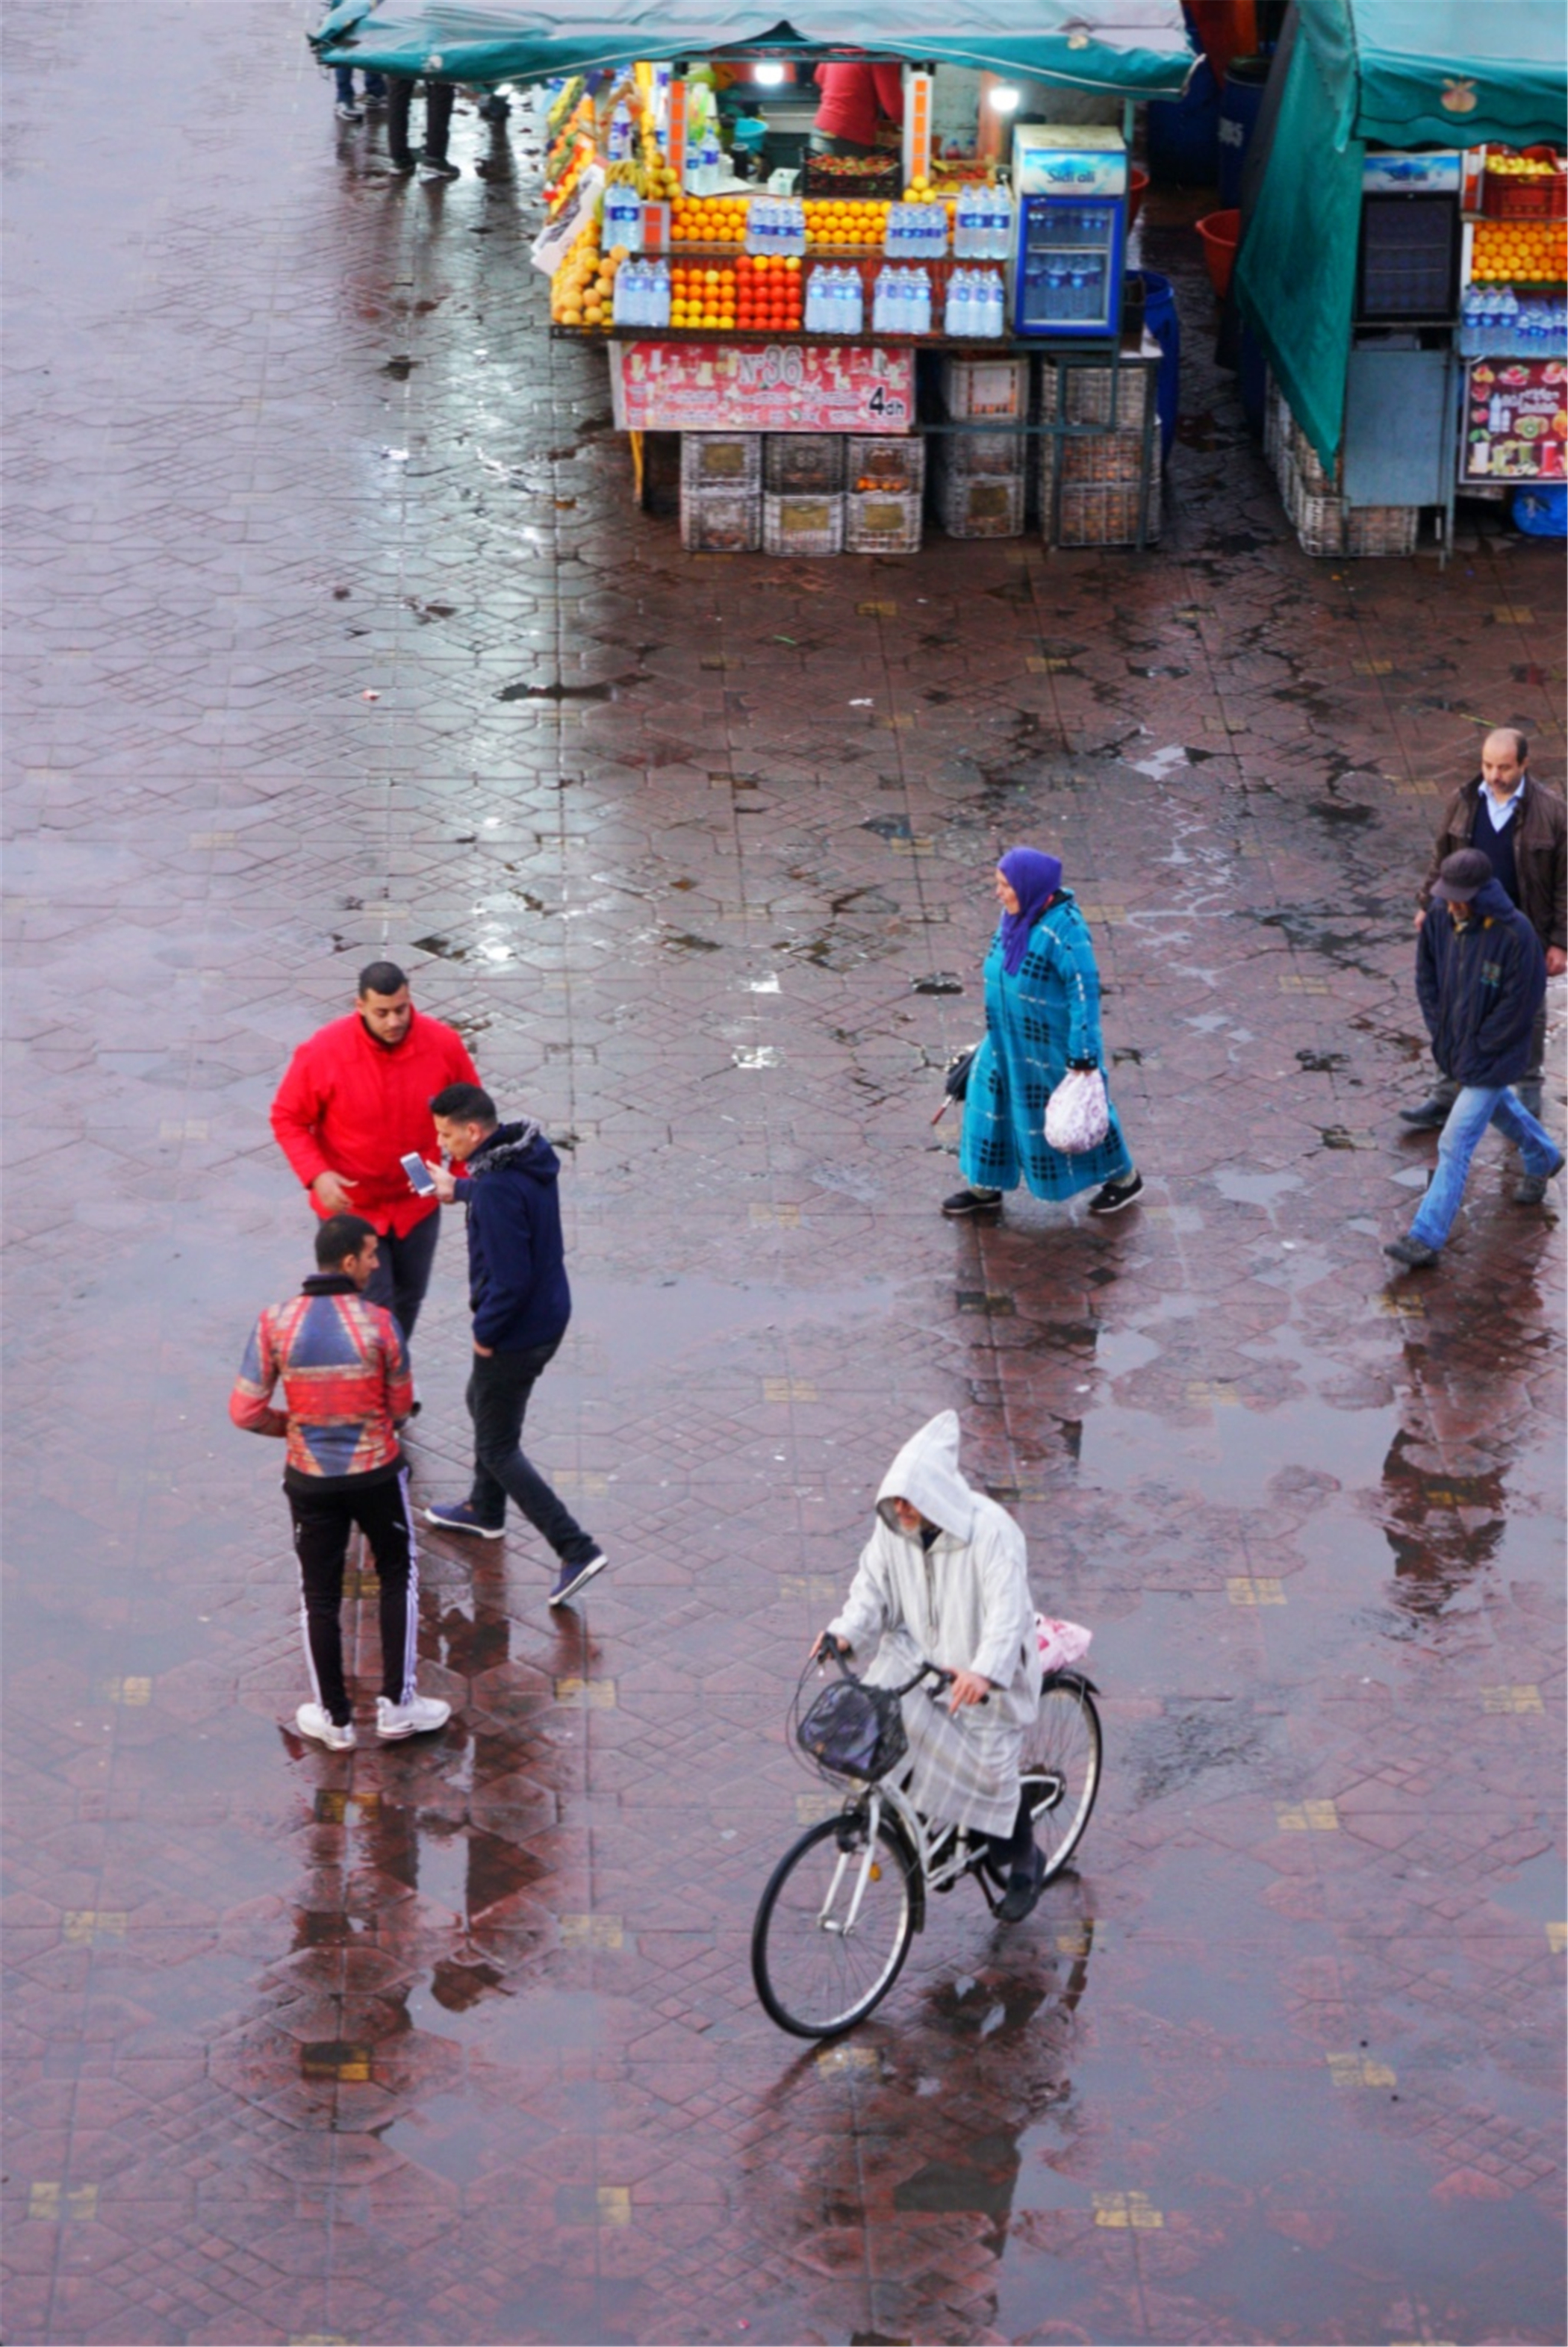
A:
(1042, 1017)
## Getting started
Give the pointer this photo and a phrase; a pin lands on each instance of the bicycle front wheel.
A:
(833, 1927)
(1060, 1769)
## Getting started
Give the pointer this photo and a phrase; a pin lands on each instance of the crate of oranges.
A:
(708, 220)
(838, 224)
(705, 297)
(1520, 252)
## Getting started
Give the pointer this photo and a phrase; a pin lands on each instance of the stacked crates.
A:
(1314, 499)
(980, 473)
(885, 484)
(721, 492)
(1091, 485)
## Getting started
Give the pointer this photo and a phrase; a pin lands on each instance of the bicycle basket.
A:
(853, 1730)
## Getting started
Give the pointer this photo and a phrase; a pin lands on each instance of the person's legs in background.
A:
(1477, 1106)
(399, 99)
(383, 1515)
(402, 1273)
(438, 99)
(347, 111)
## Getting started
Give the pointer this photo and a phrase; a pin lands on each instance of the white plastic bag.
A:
(1078, 1115)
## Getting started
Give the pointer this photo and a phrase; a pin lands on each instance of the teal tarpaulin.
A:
(1401, 74)
(1138, 49)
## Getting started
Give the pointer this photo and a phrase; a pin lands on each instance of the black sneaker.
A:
(1113, 1196)
(972, 1202)
(1431, 1117)
(1414, 1254)
(573, 1577)
(436, 167)
(402, 165)
(1531, 1188)
(1025, 1884)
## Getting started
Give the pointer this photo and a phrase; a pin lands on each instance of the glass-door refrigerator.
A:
(1070, 182)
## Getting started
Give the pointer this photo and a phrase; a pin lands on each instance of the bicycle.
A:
(842, 1907)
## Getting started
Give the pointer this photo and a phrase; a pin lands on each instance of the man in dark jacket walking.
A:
(1480, 976)
(520, 1301)
(1522, 832)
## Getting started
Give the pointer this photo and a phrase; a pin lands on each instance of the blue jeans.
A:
(1477, 1106)
(375, 86)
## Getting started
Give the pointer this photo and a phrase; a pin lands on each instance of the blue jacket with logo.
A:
(1479, 987)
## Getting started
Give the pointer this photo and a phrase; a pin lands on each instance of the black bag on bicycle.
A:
(854, 1730)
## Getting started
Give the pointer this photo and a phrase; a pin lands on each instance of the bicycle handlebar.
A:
(833, 1649)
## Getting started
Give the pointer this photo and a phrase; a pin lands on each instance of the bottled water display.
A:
(915, 231)
(901, 303)
(620, 134)
(622, 218)
(705, 166)
(1496, 321)
(976, 307)
(642, 293)
(835, 302)
(982, 230)
(776, 224)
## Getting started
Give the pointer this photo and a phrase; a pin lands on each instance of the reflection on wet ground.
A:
(334, 632)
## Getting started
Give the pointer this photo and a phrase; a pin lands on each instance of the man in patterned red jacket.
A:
(346, 1390)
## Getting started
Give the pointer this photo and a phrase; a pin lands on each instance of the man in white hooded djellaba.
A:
(944, 1579)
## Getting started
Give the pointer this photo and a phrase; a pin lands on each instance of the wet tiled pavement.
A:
(457, 2042)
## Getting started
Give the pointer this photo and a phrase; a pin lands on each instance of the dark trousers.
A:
(1530, 1083)
(497, 1398)
(403, 1267)
(438, 96)
(1011, 1851)
(323, 1522)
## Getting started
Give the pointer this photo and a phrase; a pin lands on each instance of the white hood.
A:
(926, 1473)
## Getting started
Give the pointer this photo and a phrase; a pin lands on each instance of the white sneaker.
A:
(312, 1720)
(420, 1716)
(349, 114)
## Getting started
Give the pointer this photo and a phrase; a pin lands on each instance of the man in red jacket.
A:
(355, 1100)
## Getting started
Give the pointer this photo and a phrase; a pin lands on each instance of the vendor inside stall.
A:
(857, 97)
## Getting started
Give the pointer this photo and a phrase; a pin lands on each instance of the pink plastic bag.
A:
(1060, 1643)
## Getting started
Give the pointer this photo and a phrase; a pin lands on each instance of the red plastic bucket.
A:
(1220, 232)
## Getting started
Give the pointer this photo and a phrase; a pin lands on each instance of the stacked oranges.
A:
(702, 297)
(768, 294)
(835, 223)
(1520, 252)
(708, 220)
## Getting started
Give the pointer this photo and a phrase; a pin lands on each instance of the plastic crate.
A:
(1098, 513)
(802, 524)
(1095, 395)
(1100, 458)
(1304, 456)
(1275, 421)
(1381, 529)
(987, 453)
(721, 522)
(1318, 520)
(1503, 198)
(970, 505)
(796, 462)
(884, 463)
(720, 460)
(883, 522)
(975, 390)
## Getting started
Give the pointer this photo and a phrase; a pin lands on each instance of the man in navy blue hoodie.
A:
(1480, 976)
(520, 1301)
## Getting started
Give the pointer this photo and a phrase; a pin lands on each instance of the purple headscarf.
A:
(1034, 878)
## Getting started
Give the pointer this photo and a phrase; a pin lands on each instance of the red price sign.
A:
(761, 387)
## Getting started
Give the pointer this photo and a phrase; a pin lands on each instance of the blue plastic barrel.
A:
(1184, 133)
(1239, 106)
(1162, 322)
(1542, 510)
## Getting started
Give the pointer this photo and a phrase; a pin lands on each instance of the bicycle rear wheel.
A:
(832, 1928)
(1060, 1768)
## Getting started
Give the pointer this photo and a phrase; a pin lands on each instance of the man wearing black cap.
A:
(1521, 829)
(1480, 975)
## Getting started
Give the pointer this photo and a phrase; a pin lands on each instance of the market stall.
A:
(1404, 262)
(813, 312)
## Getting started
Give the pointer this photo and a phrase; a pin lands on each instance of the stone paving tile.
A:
(460, 2042)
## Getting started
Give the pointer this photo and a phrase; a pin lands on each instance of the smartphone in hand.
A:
(419, 1174)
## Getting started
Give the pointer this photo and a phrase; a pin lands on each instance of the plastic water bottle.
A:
(879, 303)
(996, 305)
(620, 134)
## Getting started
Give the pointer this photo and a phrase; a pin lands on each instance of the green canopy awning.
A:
(1402, 74)
(1138, 49)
